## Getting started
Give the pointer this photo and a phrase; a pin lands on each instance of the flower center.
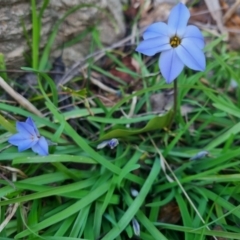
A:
(175, 41)
(32, 137)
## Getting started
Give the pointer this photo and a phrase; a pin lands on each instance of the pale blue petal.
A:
(195, 36)
(177, 20)
(170, 65)
(152, 46)
(31, 122)
(22, 141)
(41, 147)
(102, 144)
(112, 143)
(200, 155)
(156, 30)
(25, 128)
(192, 56)
(17, 138)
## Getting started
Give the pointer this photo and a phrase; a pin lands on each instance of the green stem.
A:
(175, 96)
(35, 35)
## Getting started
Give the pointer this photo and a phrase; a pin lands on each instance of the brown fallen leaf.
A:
(158, 13)
(233, 26)
(132, 11)
(169, 213)
(200, 13)
(215, 9)
(164, 101)
(130, 64)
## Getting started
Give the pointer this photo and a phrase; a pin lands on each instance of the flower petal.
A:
(41, 147)
(200, 155)
(195, 35)
(102, 144)
(157, 29)
(113, 143)
(177, 20)
(192, 56)
(22, 141)
(170, 65)
(31, 122)
(25, 128)
(152, 46)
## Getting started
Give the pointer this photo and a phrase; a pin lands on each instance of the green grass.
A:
(79, 192)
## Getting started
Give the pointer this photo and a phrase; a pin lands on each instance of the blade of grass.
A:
(35, 35)
(135, 206)
(74, 208)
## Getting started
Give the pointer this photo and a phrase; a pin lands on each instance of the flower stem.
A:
(175, 96)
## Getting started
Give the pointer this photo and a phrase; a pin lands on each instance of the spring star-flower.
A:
(29, 137)
(112, 143)
(180, 44)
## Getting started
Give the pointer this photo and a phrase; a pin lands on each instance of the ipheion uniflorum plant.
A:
(180, 44)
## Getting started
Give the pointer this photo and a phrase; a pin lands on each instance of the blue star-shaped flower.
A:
(112, 143)
(29, 137)
(180, 44)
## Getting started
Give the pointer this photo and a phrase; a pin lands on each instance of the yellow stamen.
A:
(175, 41)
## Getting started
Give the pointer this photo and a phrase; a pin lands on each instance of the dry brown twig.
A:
(9, 216)
(230, 11)
(216, 13)
(97, 55)
(164, 163)
(19, 98)
(99, 84)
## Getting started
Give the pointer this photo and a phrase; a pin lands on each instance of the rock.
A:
(13, 13)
